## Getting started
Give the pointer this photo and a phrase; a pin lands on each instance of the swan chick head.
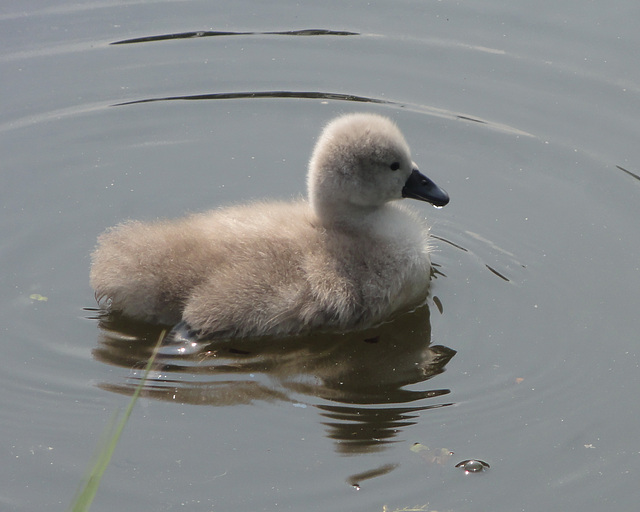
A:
(359, 163)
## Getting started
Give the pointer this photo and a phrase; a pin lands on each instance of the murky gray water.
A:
(526, 355)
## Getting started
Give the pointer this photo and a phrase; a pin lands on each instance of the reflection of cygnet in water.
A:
(368, 385)
(378, 365)
(346, 258)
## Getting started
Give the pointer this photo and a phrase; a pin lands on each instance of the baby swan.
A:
(346, 258)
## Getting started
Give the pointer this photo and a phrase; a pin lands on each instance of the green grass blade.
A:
(85, 496)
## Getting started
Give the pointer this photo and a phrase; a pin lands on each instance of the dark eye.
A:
(394, 166)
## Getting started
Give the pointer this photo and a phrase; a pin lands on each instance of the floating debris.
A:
(438, 456)
(37, 296)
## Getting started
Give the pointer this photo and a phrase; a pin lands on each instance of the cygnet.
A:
(346, 258)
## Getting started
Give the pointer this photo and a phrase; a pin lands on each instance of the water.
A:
(526, 351)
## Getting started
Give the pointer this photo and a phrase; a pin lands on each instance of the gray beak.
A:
(418, 186)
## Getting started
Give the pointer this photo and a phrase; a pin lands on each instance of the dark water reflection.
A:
(365, 372)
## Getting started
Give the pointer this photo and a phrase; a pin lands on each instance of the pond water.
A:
(524, 357)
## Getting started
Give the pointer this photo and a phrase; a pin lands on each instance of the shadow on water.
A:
(357, 381)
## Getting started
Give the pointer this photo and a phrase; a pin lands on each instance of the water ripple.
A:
(218, 33)
(333, 96)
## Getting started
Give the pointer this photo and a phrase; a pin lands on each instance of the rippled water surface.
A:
(526, 353)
